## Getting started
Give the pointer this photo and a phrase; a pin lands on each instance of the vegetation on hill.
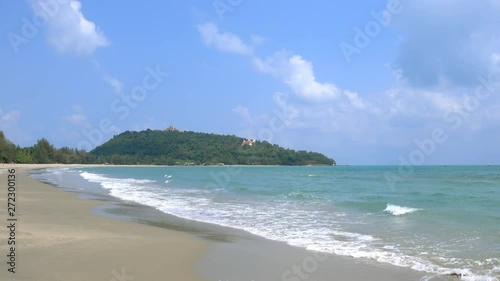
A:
(179, 148)
(163, 148)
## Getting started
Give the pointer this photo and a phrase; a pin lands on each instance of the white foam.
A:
(399, 211)
(313, 228)
(102, 179)
(354, 236)
(126, 189)
(58, 171)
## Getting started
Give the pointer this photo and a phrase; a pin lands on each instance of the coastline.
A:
(165, 242)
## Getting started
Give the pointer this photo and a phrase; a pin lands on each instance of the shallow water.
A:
(440, 219)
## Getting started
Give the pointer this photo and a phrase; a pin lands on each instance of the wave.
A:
(127, 189)
(102, 179)
(399, 211)
(301, 195)
(58, 170)
(313, 229)
(351, 236)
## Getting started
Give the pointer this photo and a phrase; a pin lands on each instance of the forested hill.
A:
(181, 148)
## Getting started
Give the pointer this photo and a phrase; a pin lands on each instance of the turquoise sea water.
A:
(438, 219)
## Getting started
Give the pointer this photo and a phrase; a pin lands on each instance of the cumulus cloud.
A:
(68, 30)
(325, 102)
(455, 43)
(10, 116)
(310, 104)
(293, 70)
(116, 84)
(77, 117)
(7, 119)
(223, 41)
(244, 113)
(298, 74)
(447, 50)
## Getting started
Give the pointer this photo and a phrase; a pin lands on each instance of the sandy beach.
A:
(60, 238)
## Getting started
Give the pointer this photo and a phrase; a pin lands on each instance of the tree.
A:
(23, 156)
(44, 152)
(7, 149)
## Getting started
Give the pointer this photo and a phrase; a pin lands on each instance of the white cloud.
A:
(244, 113)
(226, 42)
(356, 101)
(116, 84)
(435, 54)
(288, 112)
(438, 68)
(298, 74)
(442, 102)
(77, 117)
(363, 104)
(9, 118)
(257, 40)
(293, 70)
(495, 59)
(96, 64)
(68, 30)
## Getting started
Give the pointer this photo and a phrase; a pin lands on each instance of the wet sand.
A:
(58, 238)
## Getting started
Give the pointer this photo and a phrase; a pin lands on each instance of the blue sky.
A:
(364, 82)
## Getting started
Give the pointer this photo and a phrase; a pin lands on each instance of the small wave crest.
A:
(301, 195)
(399, 211)
(167, 178)
(58, 170)
(113, 183)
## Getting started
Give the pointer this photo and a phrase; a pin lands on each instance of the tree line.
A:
(155, 147)
(43, 152)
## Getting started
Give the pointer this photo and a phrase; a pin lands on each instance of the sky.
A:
(365, 82)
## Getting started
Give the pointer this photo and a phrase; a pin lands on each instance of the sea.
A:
(436, 219)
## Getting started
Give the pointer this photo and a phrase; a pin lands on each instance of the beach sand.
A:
(62, 238)
(59, 239)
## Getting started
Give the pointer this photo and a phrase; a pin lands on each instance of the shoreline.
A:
(232, 254)
(44, 166)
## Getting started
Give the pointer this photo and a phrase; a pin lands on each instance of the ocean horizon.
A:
(440, 220)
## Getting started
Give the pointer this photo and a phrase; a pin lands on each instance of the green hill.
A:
(181, 148)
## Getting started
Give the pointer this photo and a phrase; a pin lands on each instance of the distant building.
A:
(248, 142)
(172, 129)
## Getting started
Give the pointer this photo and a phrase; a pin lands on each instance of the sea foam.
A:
(399, 211)
(311, 223)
